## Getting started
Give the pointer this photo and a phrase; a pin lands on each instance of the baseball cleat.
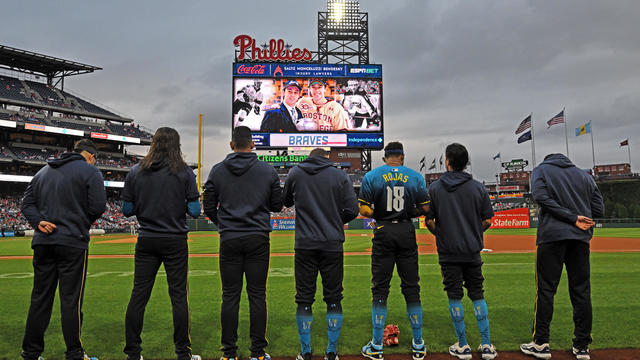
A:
(265, 356)
(305, 356)
(372, 351)
(228, 358)
(196, 357)
(537, 351)
(418, 352)
(487, 351)
(87, 357)
(581, 354)
(461, 352)
(330, 356)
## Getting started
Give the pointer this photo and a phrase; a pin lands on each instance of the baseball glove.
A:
(390, 335)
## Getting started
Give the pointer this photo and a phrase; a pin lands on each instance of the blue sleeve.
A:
(487, 209)
(422, 196)
(287, 194)
(193, 208)
(366, 196)
(349, 203)
(128, 193)
(128, 208)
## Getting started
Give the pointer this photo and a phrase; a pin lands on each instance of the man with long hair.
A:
(392, 194)
(238, 196)
(160, 191)
(61, 202)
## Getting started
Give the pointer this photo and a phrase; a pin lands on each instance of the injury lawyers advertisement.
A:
(511, 219)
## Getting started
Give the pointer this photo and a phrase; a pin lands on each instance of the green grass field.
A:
(509, 286)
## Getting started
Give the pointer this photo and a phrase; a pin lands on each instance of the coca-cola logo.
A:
(275, 50)
(251, 70)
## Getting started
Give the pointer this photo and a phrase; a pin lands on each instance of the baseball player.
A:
(392, 194)
(61, 202)
(325, 201)
(320, 113)
(238, 196)
(163, 236)
(460, 213)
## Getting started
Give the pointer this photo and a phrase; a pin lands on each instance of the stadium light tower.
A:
(343, 33)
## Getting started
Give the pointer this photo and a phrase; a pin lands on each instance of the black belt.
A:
(395, 221)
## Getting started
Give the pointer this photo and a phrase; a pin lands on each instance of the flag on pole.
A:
(558, 119)
(433, 164)
(440, 160)
(497, 156)
(422, 163)
(583, 129)
(625, 143)
(524, 125)
(524, 137)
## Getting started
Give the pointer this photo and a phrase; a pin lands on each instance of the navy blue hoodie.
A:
(563, 192)
(68, 192)
(160, 199)
(239, 194)
(324, 200)
(459, 204)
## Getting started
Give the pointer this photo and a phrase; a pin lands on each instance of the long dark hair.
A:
(165, 146)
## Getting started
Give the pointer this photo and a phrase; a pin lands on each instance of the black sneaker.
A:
(305, 356)
(581, 354)
(331, 356)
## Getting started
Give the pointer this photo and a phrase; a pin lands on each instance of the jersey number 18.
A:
(395, 198)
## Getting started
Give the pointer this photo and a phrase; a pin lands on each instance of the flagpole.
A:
(566, 138)
(593, 152)
(629, 150)
(533, 143)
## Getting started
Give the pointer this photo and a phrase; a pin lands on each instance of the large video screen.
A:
(287, 105)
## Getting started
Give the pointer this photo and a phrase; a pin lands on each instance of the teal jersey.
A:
(392, 190)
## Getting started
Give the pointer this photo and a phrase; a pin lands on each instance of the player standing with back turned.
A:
(392, 194)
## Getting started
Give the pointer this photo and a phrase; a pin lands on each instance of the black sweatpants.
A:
(457, 275)
(173, 252)
(244, 257)
(63, 267)
(549, 260)
(394, 244)
(307, 265)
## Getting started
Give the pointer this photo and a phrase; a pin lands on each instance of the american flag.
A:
(558, 119)
(524, 125)
(625, 143)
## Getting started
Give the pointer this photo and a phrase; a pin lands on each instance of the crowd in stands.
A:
(112, 218)
(10, 216)
(86, 126)
(5, 153)
(286, 212)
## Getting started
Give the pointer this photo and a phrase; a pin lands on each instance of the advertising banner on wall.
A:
(511, 219)
(282, 223)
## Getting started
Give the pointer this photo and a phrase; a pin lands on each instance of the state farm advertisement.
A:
(511, 219)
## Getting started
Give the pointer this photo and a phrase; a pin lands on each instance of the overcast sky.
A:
(463, 71)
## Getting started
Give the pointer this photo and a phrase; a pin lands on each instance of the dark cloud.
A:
(465, 71)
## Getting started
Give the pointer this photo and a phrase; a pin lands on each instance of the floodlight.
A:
(343, 14)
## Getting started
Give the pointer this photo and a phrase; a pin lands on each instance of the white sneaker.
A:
(537, 351)
(487, 351)
(461, 352)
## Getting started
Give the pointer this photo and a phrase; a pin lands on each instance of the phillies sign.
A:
(275, 50)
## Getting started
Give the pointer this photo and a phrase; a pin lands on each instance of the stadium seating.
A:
(11, 88)
(29, 154)
(49, 97)
(85, 125)
(87, 106)
(115, 162)
(10, 216)
(128, 130)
